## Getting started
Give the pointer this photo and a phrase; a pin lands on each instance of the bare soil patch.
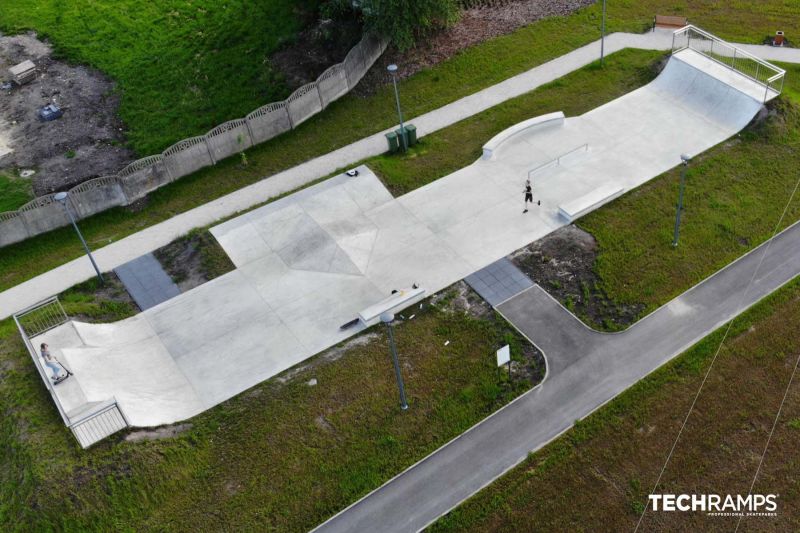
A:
(314, 50)
(86, 142)
(476, 25)
(562, 263)
(166, 432)
(194, 259)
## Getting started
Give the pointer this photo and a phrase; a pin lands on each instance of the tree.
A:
(402, 21)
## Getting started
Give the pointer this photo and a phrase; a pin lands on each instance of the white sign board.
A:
(503, 355)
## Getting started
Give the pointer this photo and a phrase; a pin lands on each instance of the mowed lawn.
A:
(352, 117)
(596, 477)
(181, 67)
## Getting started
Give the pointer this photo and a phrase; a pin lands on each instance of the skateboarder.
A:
(529, 195)
(53, 365)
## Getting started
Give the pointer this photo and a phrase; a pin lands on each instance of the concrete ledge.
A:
(494, 143)
(583, 204)
(396, 302)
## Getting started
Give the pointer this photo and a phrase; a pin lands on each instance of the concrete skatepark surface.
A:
(311, 261)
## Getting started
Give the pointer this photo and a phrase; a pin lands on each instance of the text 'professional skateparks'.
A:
(311, 261)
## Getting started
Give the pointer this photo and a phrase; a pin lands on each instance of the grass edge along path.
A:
(352, 118)
(602, 474)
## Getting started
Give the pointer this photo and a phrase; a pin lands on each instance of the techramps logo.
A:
(716, 504)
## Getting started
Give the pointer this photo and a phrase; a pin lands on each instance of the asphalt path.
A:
(586, 369)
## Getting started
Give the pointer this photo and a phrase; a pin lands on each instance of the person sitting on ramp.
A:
(60, 372)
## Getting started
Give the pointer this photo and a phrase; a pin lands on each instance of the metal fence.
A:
(97, 420)
(189, 155)
(766, 74)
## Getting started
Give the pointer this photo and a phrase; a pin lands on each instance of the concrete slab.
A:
(499, 281)
(309, 262)
(146, 281)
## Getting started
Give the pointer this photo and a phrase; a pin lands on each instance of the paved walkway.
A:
(585, 369)
(149, 239)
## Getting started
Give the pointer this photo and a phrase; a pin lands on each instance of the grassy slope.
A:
(596, 477)
(352, 118)
(282, 455)
(13, 192)
(182, 67)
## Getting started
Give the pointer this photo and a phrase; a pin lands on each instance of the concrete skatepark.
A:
(310, 262)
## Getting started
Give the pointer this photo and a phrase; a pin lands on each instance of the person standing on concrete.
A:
(529, 195)
(51, 363)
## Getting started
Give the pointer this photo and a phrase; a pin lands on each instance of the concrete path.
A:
(585, 370)
(146, 281)
(149, 239)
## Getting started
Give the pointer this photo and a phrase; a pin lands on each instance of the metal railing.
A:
(762, 72)
(95, 424)
(557, 161)
(99, 424)
(34, 321)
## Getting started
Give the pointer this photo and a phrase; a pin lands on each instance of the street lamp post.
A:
(603, 35)
(685, 158)
(387, 318)
(393, 71)
(62, 199)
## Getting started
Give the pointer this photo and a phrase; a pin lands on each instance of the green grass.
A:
(281, 456)
(735, 196)
(181, 67)
(596, 476)
(352, 118)
(14, 192)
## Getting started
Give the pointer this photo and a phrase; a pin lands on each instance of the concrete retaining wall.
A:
(143, 176)
(268, 121)
(303, 104)
(189, 155)
(12, 228)
(97, 195)
(332, 84)
(43, 214)
(229, 138)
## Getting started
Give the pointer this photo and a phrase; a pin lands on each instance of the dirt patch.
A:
(194, 259)
(562, 263)
(475, 26)
(314, 50)
(166, 432)
(461, 298)
(86, 142)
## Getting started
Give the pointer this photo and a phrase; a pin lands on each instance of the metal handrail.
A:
(738, 53)
(712, 37)
(557, 161)
(35, 355)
